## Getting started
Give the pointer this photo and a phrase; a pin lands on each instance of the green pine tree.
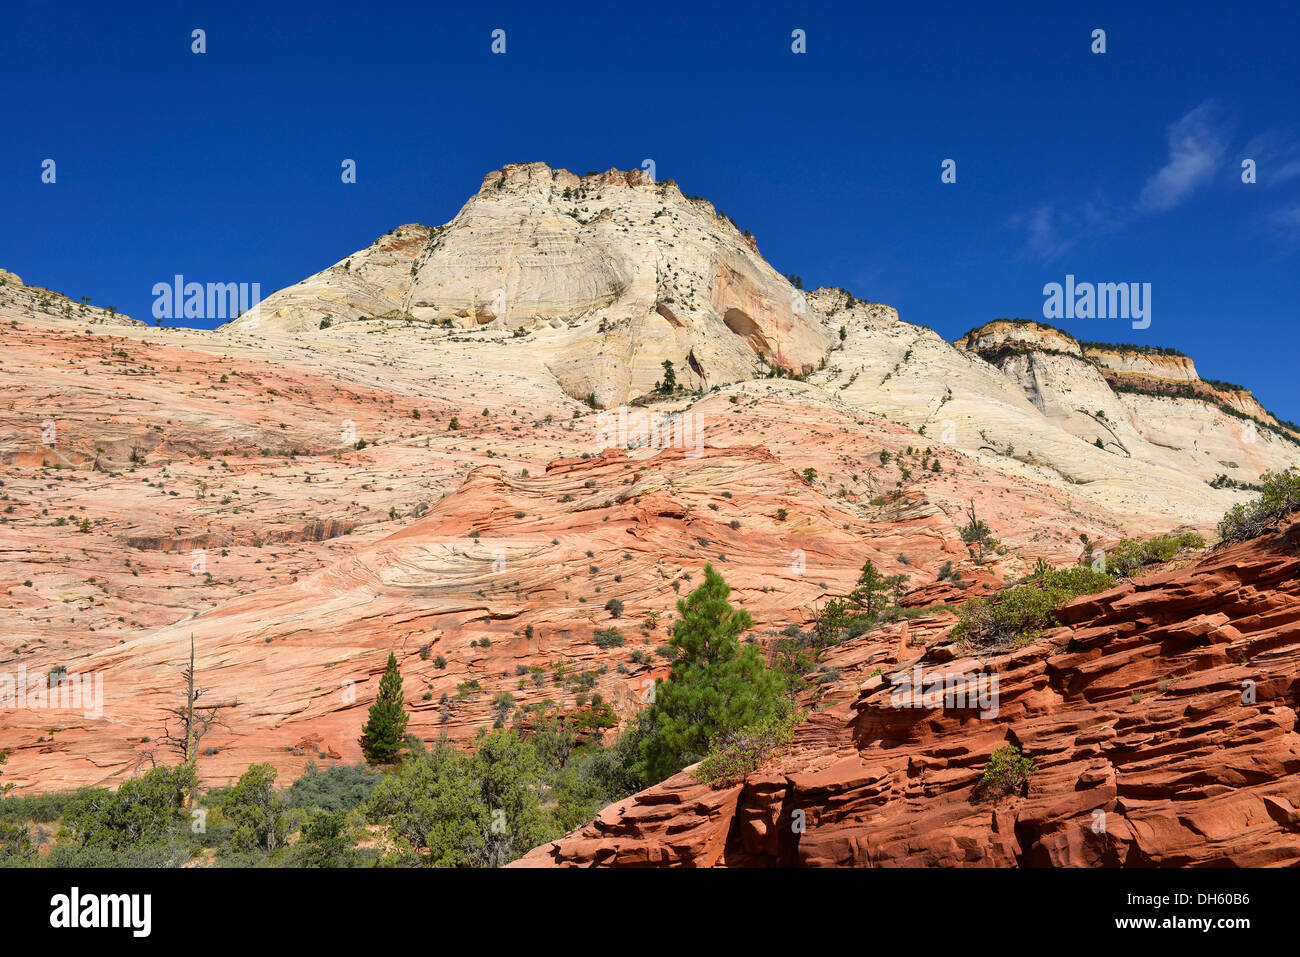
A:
(715, 686)
(385, 730)
(898, 587)
(669, 384)
(872, 591)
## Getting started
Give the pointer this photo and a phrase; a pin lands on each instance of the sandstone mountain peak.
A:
(609, 275)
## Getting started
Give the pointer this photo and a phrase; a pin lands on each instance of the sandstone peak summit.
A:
(612, 275)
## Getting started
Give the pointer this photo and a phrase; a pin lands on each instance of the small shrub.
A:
(1018, 615)
(738, 753)
(1006, 771)
(1279, 497)
(1131, 554)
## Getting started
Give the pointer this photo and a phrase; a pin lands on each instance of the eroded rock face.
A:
(1137, 406)
(1161, 718)
(1021, 398)
(324, 495)
(631, 273)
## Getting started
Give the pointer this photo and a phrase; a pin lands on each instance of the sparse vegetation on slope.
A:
(1018, 615)
(1131, 554)
(1279, 497)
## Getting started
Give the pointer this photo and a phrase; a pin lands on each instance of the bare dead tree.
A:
(195, 721)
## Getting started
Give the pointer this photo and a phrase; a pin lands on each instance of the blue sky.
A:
(1124, 166)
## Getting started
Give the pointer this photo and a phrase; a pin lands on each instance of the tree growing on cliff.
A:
(976, 534)
(714, 688)
(1279, 497)
(669, 384)
(385, 728)
(872, 591)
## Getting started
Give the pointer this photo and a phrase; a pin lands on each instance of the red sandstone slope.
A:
(292, 613)
(1149, 752)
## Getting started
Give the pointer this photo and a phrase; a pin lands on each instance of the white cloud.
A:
(1277, 159)
(1197, 145)
(1043, 239)
(1051, 231)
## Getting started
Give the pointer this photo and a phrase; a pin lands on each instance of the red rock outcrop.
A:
(1161, 718)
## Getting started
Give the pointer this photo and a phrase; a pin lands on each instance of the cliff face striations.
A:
(1161, 718)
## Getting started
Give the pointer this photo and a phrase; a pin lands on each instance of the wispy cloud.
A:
(1051, 231)
(1277, 159)
(1197, 145)
(1200, 145)
(1042, 228)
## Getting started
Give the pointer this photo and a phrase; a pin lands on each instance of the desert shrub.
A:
(832, 619)
(737, 753)
(447, 808)
(142, 824)
(1007, 770)
(258, 811)
(595, 777)
(328, 839)
(1279, 497)
(609, 638)
(614, 607)
(47, 807)
(794, 657)
(1132, 553)
(599, 715)
(340, 787)
(1018, 615)
(18, 845)
(976, 532)
(502, 705)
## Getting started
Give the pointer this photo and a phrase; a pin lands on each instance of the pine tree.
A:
(898, 586)
(385, 730)
(872, 591)
(669, 383)
(715, 686)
